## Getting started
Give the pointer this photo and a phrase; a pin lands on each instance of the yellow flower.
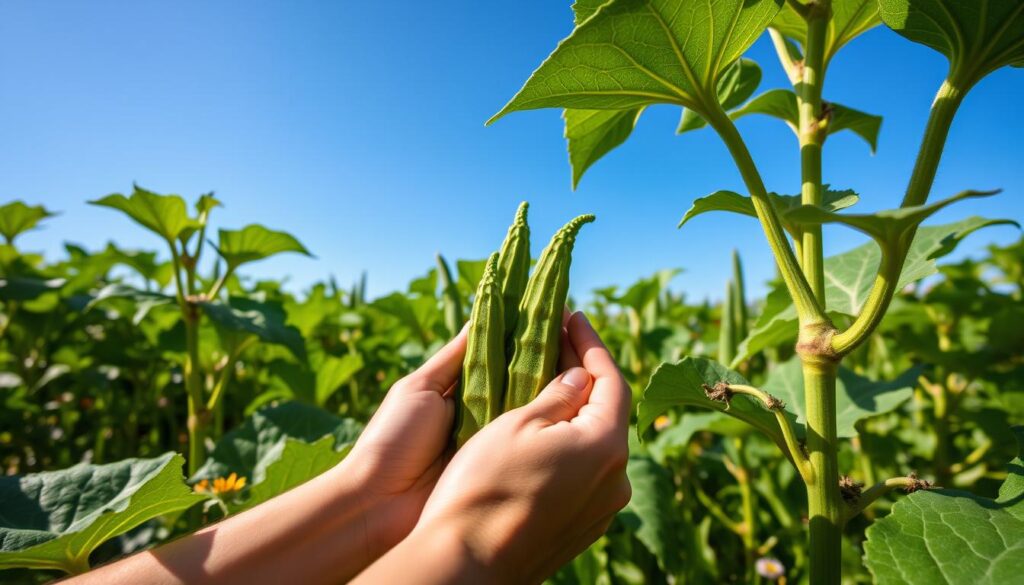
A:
(661, 423)
(222, 485)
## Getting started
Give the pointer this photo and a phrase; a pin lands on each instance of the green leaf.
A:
(296, 463)
(55, 519)
(850, 19)
(672, 441)
(333, 372)
(857, 397)
(252, 447)
(682, 384)
(632, 53)
(594, 133)
(782, 104)
(736, 85)
(142, 300)
(23, 288)
(649, 515)
(255, 242)
(266, 320)
(977, 37)
(736, 203)
(951, 536)
(849, 278)
(17, 218)
(164, 215)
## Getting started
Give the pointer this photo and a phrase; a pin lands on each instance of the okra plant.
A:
(626, 55)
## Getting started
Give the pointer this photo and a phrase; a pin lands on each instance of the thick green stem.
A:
(197, 413)
(812, 134)
(944, 109)
(825, 504)
(803, 297)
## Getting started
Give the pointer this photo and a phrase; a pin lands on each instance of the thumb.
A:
(562, 398)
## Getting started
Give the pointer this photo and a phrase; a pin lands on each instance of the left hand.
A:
(401, 453)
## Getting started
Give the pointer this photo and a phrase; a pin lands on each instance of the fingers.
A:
(562, 399)
(567, 357)
(442, 370)
(610, 399)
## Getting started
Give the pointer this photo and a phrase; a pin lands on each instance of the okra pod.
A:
(514, 268)
(450, 298)
(483, 369)
(536, 343)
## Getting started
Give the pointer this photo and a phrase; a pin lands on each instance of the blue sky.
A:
(358, 126)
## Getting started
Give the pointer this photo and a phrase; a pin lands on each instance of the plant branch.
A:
(944, 109)
(909, 484)
(777, 407)
(791, 63)
(215, 289)
(222, 380)
(717, 510)
(803, 297)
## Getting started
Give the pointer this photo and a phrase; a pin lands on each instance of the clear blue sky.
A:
(358, 126)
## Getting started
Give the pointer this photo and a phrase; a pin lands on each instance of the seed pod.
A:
(483, 369)
(450, 298)
(536, 343)
(739, 299)
(514, 268)
(727, 325)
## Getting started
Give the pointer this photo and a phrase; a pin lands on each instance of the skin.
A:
(522, 497)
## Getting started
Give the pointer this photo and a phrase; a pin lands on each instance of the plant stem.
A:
(749, 514)
(812, 136)
(825, 504)
(944, 109)
(803, 297)
(193, 380)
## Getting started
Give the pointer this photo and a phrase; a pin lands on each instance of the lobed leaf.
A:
(55, 519)
(164, 215)
(255, 242)
(17, 218)
(734, 202)
(736, 85)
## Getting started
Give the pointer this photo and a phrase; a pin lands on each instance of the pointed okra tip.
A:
(572, 228)
(491, 268)
(521, 213)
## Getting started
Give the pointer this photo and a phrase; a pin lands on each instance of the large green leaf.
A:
(857, 397)
(294, 462)
(55, 519)
(649, 515)
(682, 384)
(265, 319)
(251, 448)
(164, 215)
(977, 37)
(255, 242)
(849, 278)
(632, 53)
(17, 218)
(951, 536)
(782, 104)
(850, 18)
(736, 203)
(143, 300)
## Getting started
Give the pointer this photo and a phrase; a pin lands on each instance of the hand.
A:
(538, 485)
(400, 454)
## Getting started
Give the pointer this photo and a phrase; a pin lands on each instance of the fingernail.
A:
(577, 378)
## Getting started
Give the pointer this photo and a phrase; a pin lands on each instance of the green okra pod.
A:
(450, 297)
(739, 300)
(727, 326)
(481, 389)
(536, 341)
(514, 268)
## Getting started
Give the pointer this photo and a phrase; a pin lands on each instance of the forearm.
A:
(429, 555)
(315, 533)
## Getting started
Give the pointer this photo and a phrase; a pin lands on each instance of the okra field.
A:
(862, 422)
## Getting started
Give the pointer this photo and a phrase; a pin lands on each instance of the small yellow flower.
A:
(770, 568)
(222, 485)
(661, 423)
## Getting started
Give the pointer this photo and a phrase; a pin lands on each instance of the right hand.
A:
(541, 483)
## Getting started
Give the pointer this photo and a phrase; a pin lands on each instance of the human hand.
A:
(400, 454)
(539, 484)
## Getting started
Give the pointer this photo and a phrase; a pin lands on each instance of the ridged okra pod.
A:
(450, 298)
(739, 300)
(483, 369)
(727, 326)
(536, 342)
(514, 267)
